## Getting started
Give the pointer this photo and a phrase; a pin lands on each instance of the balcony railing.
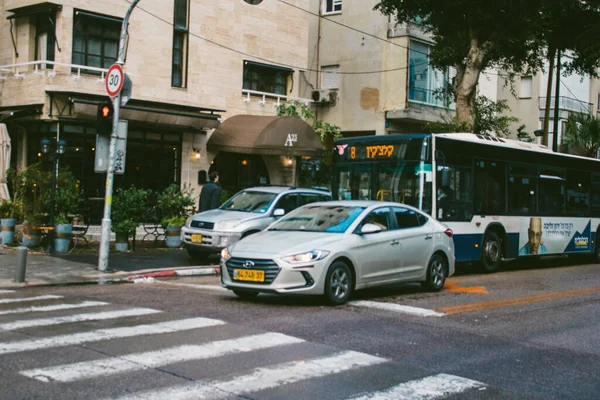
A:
(568, 104)
(40, 67)
(274, 96)
(429, 97)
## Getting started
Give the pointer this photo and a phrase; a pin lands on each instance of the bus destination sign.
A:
(370, 152)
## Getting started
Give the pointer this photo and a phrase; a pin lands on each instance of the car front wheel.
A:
(436, 273)
(338, 283)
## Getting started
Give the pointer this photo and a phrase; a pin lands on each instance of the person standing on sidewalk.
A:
(210, 196)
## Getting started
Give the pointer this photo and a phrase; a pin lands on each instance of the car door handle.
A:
(394, 242)
(428, 237)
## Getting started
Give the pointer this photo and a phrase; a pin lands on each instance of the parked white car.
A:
(245, 213)
(333, 248)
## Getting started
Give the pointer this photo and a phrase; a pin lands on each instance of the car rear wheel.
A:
(338, 283)
(245, 294)
(436, 273)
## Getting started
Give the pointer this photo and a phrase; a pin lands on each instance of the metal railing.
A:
(429, 97)
(568, 104)
(273, 96)
(39, 68)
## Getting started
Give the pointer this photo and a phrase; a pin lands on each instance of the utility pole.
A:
(110, 173)
(556, 104)
(551, 55)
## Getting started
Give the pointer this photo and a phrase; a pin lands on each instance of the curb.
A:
(207, 271)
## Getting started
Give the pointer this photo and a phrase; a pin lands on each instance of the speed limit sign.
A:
(114, 80)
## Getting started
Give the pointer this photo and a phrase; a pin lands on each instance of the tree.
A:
(327, 132)
(488, 119)
(582, 135)
(511, 35)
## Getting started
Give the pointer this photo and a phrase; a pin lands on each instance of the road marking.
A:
(516, 301)
(428, 388)
(106, 334)
(22, 299)
(423, 312)
(133, 312)
(197, 286)
(55, 307)
(453, 287)
(6, 291)
(263, 378)
(154, 359)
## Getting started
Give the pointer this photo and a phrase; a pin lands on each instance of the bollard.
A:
(21, 264)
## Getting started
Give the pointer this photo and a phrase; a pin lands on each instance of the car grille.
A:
(202, 224)
(269, 266)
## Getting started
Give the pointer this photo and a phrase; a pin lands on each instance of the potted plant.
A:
(128, 210)
(66, 201)
(33, 188)
(8, 221)
(175, 204)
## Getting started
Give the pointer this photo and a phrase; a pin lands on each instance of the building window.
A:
(526, 87)
(330, 77)
(266, 78)
(95, 39)
(180, 43)
(44, 38)
(333, 6)
(424, 82)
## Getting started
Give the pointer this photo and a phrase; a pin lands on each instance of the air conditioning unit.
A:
(324, 96)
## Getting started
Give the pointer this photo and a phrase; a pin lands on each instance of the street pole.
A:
(556, 104)
(51, 234)
(110, 172)
(551, 55)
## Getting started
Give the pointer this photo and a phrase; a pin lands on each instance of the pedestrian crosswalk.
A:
(196, 357)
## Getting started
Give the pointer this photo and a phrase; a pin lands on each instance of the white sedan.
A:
(332, 248)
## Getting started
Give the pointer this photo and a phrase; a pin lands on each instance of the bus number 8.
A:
(353, 152)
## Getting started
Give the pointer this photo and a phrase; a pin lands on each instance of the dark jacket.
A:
(210, 197)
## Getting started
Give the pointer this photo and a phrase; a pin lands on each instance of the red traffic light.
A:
(105, 111)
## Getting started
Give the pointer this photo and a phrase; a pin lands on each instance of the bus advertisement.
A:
(502, 198)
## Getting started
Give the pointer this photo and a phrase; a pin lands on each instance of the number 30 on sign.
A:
(114, 80)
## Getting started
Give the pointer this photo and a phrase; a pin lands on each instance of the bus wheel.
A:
(491, 252)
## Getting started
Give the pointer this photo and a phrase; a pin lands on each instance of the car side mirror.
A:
(279, 212)
(370, 228)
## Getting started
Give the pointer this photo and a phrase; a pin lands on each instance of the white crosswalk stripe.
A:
(263, 378)
(105, 334)
(6, 291)
(24, 299)
(132, 312)
(431, 387)
(136, 362)
(55, 307)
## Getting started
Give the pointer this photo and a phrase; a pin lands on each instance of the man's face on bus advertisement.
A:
(535, 234)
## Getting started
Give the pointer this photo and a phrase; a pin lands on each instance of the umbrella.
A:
(4, 161)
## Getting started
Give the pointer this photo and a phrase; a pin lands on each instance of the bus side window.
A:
(578, 193)
(595, 203)
(490, 187)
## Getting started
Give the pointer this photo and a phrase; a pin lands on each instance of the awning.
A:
(255, 134)
(12, 113)
(33, 9)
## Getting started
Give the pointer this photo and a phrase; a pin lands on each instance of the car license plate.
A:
(196, 238)
(251, 275)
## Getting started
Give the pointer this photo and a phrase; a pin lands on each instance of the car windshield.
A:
(250, 201)
(319, 218)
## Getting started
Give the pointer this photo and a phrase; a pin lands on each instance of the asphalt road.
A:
(530, 332)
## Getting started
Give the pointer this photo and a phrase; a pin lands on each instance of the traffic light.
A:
(104, 123)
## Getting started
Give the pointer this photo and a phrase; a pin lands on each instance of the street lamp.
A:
(61, 147)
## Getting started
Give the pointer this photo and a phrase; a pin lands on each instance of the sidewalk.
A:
(80, 268)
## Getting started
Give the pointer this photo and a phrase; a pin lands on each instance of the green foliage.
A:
(582, 135)
(175, 204)
(326, 131)
(128, 209)
(522, 135)
(33, 190)
(225, 195)
(66, 198)
(488, 120)
(7, 209)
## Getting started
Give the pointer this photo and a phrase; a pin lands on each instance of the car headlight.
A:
(228, 225)
(225, 254)
(313, 255)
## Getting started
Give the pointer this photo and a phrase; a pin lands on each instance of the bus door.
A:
(407, 183)
(354, 182)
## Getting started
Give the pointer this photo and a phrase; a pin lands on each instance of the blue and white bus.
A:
(502, 198)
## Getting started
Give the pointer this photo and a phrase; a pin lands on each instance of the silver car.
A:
(247, 212)
(333, 248)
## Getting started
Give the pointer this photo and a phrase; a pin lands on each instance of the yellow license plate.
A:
(196, 238)
(251, 275)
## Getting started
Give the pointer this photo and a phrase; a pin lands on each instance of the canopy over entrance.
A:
(255, 134)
